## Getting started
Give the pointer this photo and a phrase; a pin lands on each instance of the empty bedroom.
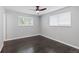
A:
(39, 29)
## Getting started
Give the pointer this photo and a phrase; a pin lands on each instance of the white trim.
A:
(47, 37)
(3, 37)
(4, 26)
(20, 37)
(1, 47)
(62, 42)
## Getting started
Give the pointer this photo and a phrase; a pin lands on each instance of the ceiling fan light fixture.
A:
(37, 12)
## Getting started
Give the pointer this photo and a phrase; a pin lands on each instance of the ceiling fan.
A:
(38, 9)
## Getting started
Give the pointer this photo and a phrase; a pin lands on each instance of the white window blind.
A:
(63, 19)
(53, 21)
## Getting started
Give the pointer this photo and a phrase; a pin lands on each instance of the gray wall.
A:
(69, 35)
(15, 31)
(1, 27)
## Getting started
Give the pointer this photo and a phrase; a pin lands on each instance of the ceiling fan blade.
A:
(42, 9)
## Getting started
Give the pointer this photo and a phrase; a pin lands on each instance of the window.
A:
(53, 20)
(63, 19)
(25, 21)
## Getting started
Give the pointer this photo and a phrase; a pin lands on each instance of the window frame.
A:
(58, 22)
(31, 18)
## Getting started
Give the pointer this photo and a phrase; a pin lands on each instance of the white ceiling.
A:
(31, 9)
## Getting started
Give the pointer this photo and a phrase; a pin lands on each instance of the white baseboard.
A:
(62, 42)
(44, 36)
(1, 47)
(21, 37)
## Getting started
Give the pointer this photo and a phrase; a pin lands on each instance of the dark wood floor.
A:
(36, 44)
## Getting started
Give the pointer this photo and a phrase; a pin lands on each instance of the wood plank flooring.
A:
(36, 44)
